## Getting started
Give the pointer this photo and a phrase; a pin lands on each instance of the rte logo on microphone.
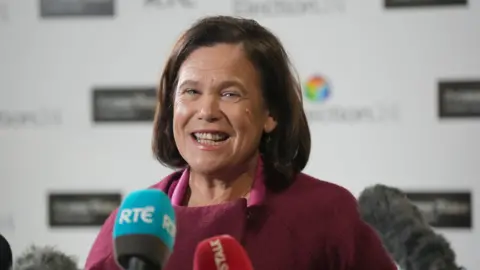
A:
(134, 215)
(169, 226)
(145, 215)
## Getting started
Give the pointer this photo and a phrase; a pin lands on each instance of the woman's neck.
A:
(210, 189)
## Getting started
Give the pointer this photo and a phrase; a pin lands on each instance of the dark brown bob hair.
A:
(285, 150)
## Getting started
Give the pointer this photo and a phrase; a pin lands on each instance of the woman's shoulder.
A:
(168, 183)
(314, 197)
(314, 190)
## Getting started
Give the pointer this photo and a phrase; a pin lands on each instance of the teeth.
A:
(208, 142)
(209, 136)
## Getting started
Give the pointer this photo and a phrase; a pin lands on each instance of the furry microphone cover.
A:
(5, 254)
(44, 258)
(404, 231)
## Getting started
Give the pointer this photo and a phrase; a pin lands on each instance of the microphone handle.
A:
(135, 263)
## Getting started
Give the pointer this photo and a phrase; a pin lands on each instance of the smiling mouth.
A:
(210, 138)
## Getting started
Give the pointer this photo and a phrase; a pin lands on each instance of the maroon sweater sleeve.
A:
(356, 246)
(101, 253)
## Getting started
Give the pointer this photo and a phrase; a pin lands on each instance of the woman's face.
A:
(219, 115)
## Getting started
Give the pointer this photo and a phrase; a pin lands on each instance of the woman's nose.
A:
(209, 108)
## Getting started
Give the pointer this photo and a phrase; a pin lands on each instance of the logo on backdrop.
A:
(287, 7)
(321, 106)
(171, 3)
(76, 8)
(459, 99)
(317, 89)
(419, 3)
(29, 118)
(81, 209)
(445, 209)
(124, 104)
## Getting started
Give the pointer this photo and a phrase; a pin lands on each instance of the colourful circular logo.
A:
(317, 89)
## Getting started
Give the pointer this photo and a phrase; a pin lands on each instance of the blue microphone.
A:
(144, 231)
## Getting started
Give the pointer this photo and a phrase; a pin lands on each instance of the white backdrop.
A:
(370, 55)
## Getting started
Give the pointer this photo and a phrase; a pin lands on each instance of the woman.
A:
(230, 116)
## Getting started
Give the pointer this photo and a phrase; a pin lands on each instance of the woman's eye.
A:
(190, 91)
(231, 96)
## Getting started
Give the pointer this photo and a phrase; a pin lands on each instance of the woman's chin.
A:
(207, 164)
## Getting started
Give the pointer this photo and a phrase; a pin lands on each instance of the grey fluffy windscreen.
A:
(44, 258)
(5, 254)
(404, 231)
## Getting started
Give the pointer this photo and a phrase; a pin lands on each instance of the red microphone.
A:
(221, 252)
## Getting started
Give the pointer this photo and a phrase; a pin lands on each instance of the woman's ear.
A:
(270, 124)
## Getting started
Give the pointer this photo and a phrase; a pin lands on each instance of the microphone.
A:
(42, 258)
(5, 254)
(404, 231)
(221, 253)
(144, 230)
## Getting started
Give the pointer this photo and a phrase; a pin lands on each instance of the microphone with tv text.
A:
(5, 254)
(144, 230)
(404, 231)
(44, 258)
(221, 253)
